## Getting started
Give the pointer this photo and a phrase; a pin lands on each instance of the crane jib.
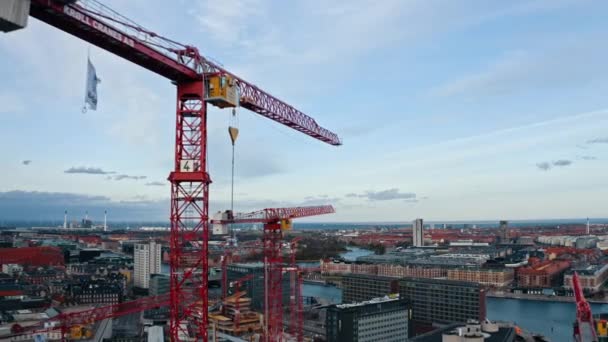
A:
(68, 10)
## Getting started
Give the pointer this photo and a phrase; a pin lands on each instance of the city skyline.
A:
(497, 112)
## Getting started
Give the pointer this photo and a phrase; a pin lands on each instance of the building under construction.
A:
(236, 317)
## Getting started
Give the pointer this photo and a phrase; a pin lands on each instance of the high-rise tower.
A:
(418, 233)
(147, 258)
(504, 231)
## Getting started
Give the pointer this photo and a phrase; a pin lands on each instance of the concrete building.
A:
(504, 231)
(586, 242)
(380, 319)
(500, 277)
(443, 301)
(147, 259)
(591, 277)
(159, 284)
(472, 331)
(362, 287)
(418, 233)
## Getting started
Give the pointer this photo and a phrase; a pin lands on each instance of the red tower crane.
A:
(275, 221)
(296, 323)
(583, 312)
(199, 82)
(65, 321)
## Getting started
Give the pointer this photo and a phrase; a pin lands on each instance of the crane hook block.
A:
(234, 133)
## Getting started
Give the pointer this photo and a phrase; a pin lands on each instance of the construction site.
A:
(199, 82)
(195, 280)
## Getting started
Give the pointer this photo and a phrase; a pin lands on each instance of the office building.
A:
(362, 287)
(159, 284)
(472, 331)
(443, 301)
(504, 231)
(147, 258)
(418, 233)
(380, 319)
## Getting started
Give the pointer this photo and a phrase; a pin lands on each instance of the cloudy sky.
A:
(448, 111)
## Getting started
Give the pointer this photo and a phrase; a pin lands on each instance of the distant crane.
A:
(199, 82)
(583, 312)
(275, 221)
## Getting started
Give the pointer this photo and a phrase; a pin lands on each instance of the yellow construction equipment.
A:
(80, 332)
(286, 224)
(222, 91)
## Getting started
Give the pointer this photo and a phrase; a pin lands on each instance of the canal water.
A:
(551, 319)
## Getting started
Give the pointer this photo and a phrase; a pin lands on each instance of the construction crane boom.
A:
(65, 321)
(99, 25)
(583, 312)
(270, 215)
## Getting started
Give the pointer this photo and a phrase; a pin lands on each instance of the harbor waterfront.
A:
(548, 318)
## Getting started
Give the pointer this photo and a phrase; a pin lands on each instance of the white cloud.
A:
(568, 62)
(11, 103)
(227, 21)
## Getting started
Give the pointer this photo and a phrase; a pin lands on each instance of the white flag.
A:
(90, 97)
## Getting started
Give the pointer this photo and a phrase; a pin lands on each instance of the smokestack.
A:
(105, 220)
(86, 215)
(588, 230)
(65, 220)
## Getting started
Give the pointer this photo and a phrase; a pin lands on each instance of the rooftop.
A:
(384, 299)
(504, 334)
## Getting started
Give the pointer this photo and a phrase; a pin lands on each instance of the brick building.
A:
(412, 271)
(500, 277)
(32, 256)
(542, 275)
(386, 270)
(591, 277)
(42, 275)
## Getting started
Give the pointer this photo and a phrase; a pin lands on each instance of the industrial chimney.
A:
(65, 219)
(105, 220)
